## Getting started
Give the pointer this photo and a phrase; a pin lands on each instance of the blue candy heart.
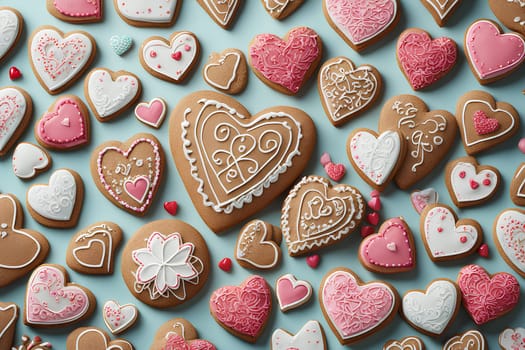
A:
(120, 43)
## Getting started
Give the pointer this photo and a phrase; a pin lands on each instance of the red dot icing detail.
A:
(462, 174)
(474, 184)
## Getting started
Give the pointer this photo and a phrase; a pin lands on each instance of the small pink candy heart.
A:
(375, 203)
(335, 171)
(373, 219)
(176, 55)
(313, 260)
(521, 145)
(151, 113)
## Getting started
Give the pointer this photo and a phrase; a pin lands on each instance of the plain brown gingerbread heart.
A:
(227, 71)
(429, 135)
(219, 208)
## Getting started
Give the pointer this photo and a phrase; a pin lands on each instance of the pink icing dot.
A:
(463, 239)
(153, 54)
(473, 184)
(440, 229)
(462, 174)
(176, 55)
(486, 182)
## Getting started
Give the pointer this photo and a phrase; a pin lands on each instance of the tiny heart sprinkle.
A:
(375, 203)
(313, 260)
(171, 207)
(367, 231)
(14, 73)
(521, 145)
(176, 55)
(120, 44)
(484, 250)
(225, 264)
(373, 219)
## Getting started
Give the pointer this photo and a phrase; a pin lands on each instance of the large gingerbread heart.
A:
(346, 90)
(487, 297)
(429, 135)
(316, 214)
(509, 235)
(222, 12)
(51, 300)
(517, 186)
(492, 54)
(423, 60)
(391, 250)
(21, 249)
(16, 108)
(11, 24)
(87, 338)
(59, 59)
(76, 11)
(361, 23)
(179, 333)
(234, 164)
(286, 64)
(445, 237)
(258, 245)
(484, 122)
(129, 173)
(243, 310)
(373, 305)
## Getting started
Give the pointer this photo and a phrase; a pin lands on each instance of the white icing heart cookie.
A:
(119, 318)
(29, 160)
(509, 235)
(11, 24)
(111, 93)
(171, 60)
(512, 339)
(309, 337)
(151, 13)
(58, 203)
(471, 184)
(59, 59)
(15, 115)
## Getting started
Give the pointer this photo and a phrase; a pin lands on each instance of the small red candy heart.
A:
(375, 203)
(474, 184)
(14, 73)
(373, 219)
(176, 55)
(335, 171)
(313, 260)
(484, 250)
(367, 231)
(171, 207)
(225, 264)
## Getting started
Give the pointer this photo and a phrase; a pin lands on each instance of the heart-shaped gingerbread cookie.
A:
(21, 249)
(76, 11)
(280, 9)
(441, 10)
(509, 235)
(234, 164)
(153, 13)
(8, 316)
(171, 60)
(406, 343)
(445, 237)
(258, 245)
(15, 115)
(129, 173)
(221, 11)
(511, 13)
(316, 214)
(390, 250)
(226, 71)
(472, 339)
(87, 338)
(484, 122)
(11, 24)
(51, 300)
(346, 90)
(361, 23)
(423, 60)
(243, 310)
(286, 64)
(512, 338)
(59, 59)
(373, 305)
(517, 186)
(421, 198)
(487, 297)
(429, 134)
(179, 333)
(471, 184)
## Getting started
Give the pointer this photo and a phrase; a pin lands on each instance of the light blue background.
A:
(252, 20)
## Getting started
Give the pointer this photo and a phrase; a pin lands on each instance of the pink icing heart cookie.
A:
(373, 305)
(243, 310)
(59, 59)
(361, 23)
(445, 237)
(76, 11)
(129, 173)
(291, 292)
(470, 184)
(298, 54)
(52, 301)
(509, 235)
(65, 126)
(15, 115)
(423, 60)
(390, 250)
(492, 54)
(151, 113)
(179, 333)
(171, 60)
(487, 297)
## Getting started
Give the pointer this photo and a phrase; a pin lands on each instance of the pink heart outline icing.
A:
(381, 15)
(78, 8)
(491, 53)
(50, 302)
(291, 292)
(244, 309)
(151, 113)
(138, 188)
(487, 297)
(372, 304)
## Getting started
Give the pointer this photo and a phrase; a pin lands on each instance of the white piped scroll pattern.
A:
(425, 137)
(242, 159)
(9, 28)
